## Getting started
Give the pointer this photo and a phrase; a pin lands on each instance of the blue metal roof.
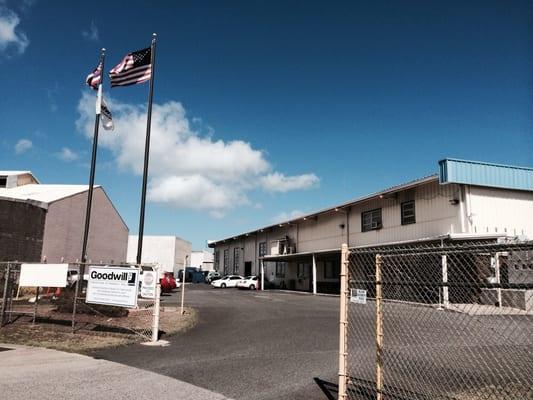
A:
(452, 170)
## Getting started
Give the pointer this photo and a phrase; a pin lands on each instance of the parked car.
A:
(250, 282)
(212, 276)
(72, 277)
(227, 281)
(168, 282)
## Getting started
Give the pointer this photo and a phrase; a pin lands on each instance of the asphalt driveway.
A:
(249, 345)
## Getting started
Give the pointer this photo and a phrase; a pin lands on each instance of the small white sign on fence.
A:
(43, 275)
(358, 296)
(148, 284)
(113, 286)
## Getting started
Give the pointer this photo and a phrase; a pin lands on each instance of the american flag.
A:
(107, 118)
(135, 68)
(95, 77)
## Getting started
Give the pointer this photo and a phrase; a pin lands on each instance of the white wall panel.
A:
(501, 211)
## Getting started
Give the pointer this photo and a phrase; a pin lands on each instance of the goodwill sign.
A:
(113, 286)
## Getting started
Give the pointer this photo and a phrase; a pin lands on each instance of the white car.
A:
(250, 282)
(227, 281)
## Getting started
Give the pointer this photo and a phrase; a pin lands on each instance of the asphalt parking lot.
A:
(249, 345)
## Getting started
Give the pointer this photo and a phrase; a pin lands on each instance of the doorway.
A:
(247, 268)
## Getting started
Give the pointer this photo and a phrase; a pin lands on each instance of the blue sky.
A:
(265, 109)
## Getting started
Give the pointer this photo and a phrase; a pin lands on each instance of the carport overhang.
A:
(312, 255)
(309, 255)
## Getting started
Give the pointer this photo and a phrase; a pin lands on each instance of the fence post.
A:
(4, 296)
(183, 288)
(379, 331)
(155, 324)
(498, 278)
(343, 322)
(79, 282)
(35, 305)
(445, 290)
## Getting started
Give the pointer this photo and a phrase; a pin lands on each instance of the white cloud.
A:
(91, 33)
(287, 216)
(23, 145)
(187, 169)
(67, 155)
(10, 36)
(277, 182)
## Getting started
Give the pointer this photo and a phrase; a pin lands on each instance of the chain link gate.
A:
(437, 321)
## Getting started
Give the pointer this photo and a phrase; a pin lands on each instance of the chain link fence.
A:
(437, 321)
(68, 307)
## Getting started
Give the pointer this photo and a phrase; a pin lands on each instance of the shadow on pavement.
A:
(331, 390)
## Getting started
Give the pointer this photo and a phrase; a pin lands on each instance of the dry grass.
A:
(53, 330)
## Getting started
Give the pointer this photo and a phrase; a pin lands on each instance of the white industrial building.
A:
(202, 260)
(465, 200)
(170, 252)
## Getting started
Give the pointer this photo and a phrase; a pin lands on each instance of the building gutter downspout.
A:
(468, 210)
(462, 201)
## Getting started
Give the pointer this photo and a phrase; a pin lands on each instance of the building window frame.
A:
(332, 269)
(408, 212)
(302, 270)
(262, 249)
(236, 260)
(280, 269)
(226, 261)
(217, 260)
(371, 220)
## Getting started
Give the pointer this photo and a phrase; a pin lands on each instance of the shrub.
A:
(65, 304)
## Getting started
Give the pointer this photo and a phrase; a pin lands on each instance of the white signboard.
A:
(149, 280)
(113, 286)
(358, 296)
(43, 275)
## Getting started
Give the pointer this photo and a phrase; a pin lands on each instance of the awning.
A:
(295, 256)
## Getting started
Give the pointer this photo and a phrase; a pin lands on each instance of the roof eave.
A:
(393, 189)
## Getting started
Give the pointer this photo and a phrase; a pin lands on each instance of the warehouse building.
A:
(202, 260)
(465, 200)
(45, 222)
(170, 252)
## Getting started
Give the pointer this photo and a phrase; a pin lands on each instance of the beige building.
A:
(466, 200)
(40, 221)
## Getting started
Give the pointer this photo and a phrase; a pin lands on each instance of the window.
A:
(226, 261)
(332, 270)
(3, 181)
(217, 260)
(371, 220)
(408, 212)
(262, 249)
(280, 269)
(303, 270)
(236, 260)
